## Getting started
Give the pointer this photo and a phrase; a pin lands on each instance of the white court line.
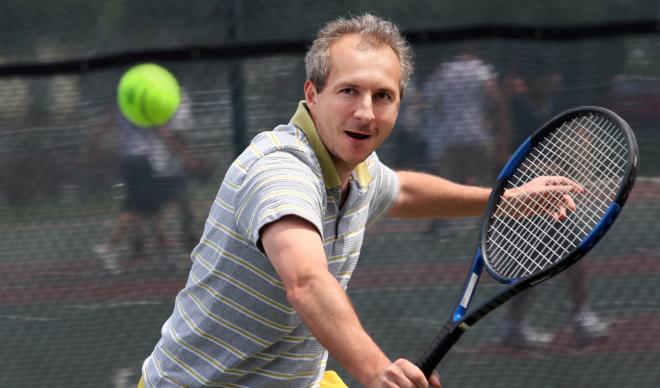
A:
(101, 306)
(28, 318)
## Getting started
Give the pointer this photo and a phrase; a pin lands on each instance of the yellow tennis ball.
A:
(148, 95)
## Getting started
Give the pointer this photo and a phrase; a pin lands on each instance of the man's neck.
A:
(344, 170)
(345, 191)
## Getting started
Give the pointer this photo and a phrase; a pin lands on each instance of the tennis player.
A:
(265, 299)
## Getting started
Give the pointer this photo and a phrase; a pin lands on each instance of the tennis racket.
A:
(526, 236)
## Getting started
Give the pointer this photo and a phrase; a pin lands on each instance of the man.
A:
(265, 300)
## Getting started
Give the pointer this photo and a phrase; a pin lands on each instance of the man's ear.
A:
(310, 93)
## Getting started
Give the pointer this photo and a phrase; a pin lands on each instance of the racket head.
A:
(590, 145)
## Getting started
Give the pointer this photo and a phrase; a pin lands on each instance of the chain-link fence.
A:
(71, 318)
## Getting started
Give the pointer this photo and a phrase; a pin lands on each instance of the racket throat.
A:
(469, 287)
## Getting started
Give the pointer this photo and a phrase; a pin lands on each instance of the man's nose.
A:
(365, 110)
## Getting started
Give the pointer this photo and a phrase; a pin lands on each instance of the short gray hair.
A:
(372, 30)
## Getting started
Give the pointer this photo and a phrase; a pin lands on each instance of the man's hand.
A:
(403, 373)
(545, 195)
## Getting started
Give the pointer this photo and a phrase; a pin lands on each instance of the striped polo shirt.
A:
(232, 324)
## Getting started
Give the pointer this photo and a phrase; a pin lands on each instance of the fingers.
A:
(541, 196)
(560, 214)
(434, 380)
(403, 373)
(413, 375)
(561, 183)
(556, 189)
(545, 195)
(568, 201)
(559, 207)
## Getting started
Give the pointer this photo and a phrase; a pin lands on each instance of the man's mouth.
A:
(357, 136)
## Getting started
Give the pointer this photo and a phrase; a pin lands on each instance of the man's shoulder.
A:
(284, 139)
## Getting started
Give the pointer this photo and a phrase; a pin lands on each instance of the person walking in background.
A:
(173, 165)
(137, 182)
(153, 163)
(406, 148)
(532, 100)
(464, 114)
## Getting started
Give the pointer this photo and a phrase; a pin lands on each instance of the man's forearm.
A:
(427, 196)
(324, 306)
(295, 249)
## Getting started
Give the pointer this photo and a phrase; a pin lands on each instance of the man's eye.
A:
(382, 96)
(348, 91)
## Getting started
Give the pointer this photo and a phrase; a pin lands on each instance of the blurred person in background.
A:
(533, 99)
(153, 165)
(173, 166)
(406, 148)
(464, 113)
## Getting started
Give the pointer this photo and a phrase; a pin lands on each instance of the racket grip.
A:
(436, 351)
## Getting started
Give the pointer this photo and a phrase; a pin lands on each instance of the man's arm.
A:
(295, 249)
(427, 196)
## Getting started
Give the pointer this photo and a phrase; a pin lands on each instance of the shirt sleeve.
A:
(385, 187)
(277, 185)
(484, 72)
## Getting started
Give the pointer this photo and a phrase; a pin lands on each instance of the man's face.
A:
(358, 106)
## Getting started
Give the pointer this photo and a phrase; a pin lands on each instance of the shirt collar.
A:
(303, 120)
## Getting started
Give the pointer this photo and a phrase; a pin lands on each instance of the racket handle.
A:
(436, 351)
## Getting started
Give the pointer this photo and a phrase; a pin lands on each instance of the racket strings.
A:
(524, 256)
(614, 156)
(600, 179)
(591, 151)
(575, 167)
(527, 232)
(594, 188)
